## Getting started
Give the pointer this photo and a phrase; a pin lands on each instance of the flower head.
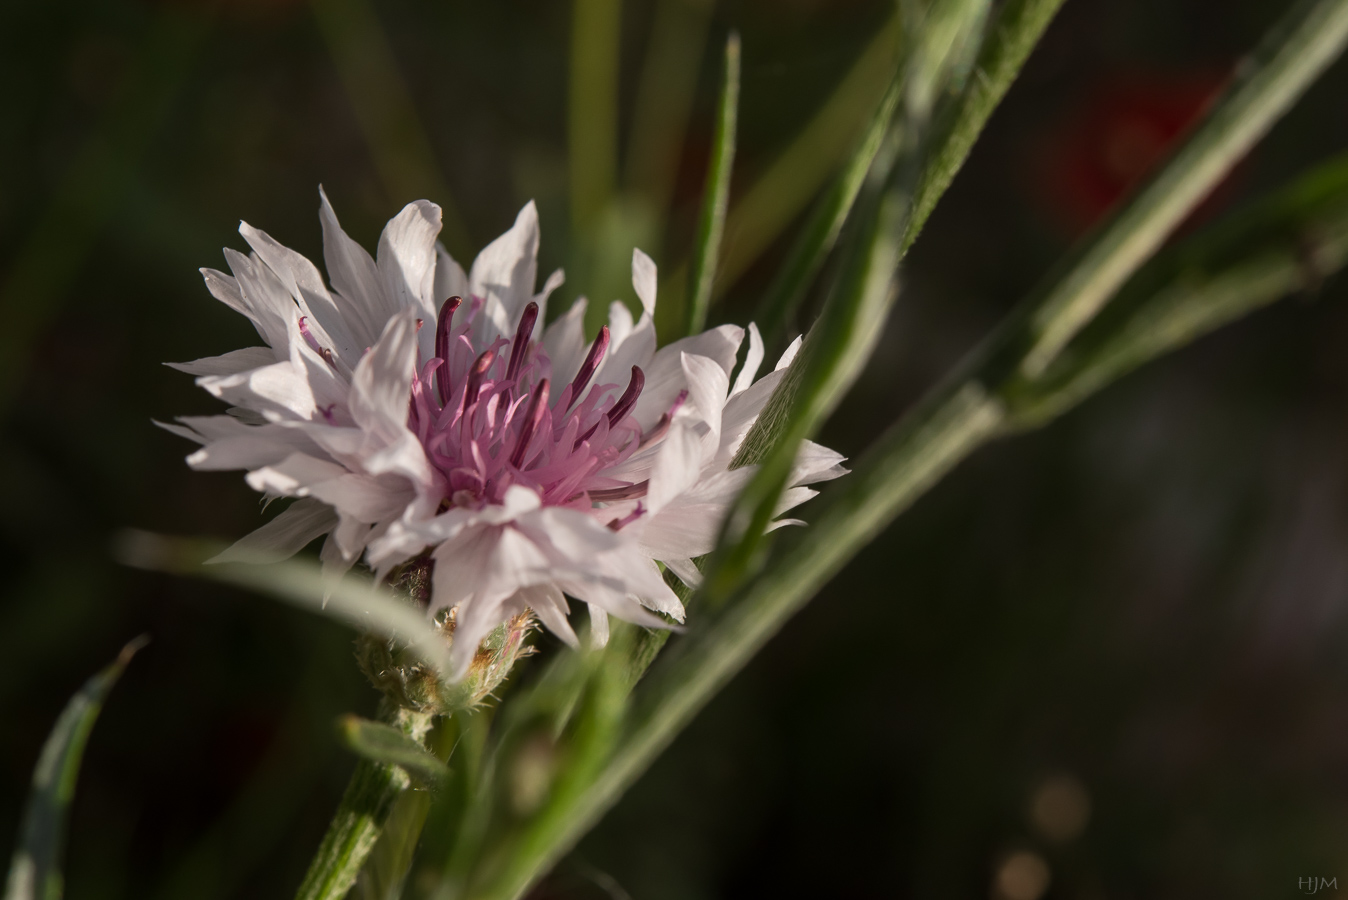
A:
(419, 412)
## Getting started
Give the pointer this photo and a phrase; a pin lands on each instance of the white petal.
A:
(752, 360)
(365, 498)
(619, 324)
(644, 280)
(676, 468)
(301, 280)
(450, 280)
(707, 386)
(598, 627)
(549, 605)
(503, 275)
(789, 355)
(279, 391)
(382, 381)
(406, 261)
(664, 373)
(555, 280)
(231, 363)
(815, 463)
(293, 474)
(686, 569)
(564, 342)
(355, 278)
(268, 303)
(283, 536)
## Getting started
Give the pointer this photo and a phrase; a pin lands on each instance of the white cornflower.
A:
(530, 465)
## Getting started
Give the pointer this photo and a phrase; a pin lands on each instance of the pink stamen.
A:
(588, 367)
(312, 341)
(620, 524)
(538, 408)
(488, 421)
(475, 376)
(629, 397)
(443, 335)
(521, 345)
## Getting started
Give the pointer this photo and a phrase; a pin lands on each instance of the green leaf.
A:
(1303, 43)
(711, 223)
(35, 870)
(299, 582)
(383, 743)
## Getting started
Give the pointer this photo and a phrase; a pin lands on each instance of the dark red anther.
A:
(521, 345)
(538, 407)
(613, 495)
(475, 374)
(592, 360)
(443, 325)
(629, 397)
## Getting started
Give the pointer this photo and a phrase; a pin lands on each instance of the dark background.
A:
(1145, 601)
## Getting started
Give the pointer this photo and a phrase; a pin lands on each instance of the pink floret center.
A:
(490, 417)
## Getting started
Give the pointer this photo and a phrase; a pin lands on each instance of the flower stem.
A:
(360, 818)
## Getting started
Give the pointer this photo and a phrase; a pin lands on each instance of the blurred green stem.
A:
(595, 32)
(90, 189)
(664, 100)
(388, 119)
(360, 818)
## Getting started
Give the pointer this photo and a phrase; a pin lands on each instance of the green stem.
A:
(1293, 54)
(360, 818)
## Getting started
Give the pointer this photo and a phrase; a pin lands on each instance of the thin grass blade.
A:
(711, 223)
(35, 871)
(841, 341)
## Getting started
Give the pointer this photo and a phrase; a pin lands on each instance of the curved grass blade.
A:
(785, 189)
(841, 341)
(35, 871)
(298, 582)
(1010, 38)
(383, 743)
(820, 233)
(593, 110)
(1291, 56)
(1013, 33)
(394, 132)
(711, 223)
